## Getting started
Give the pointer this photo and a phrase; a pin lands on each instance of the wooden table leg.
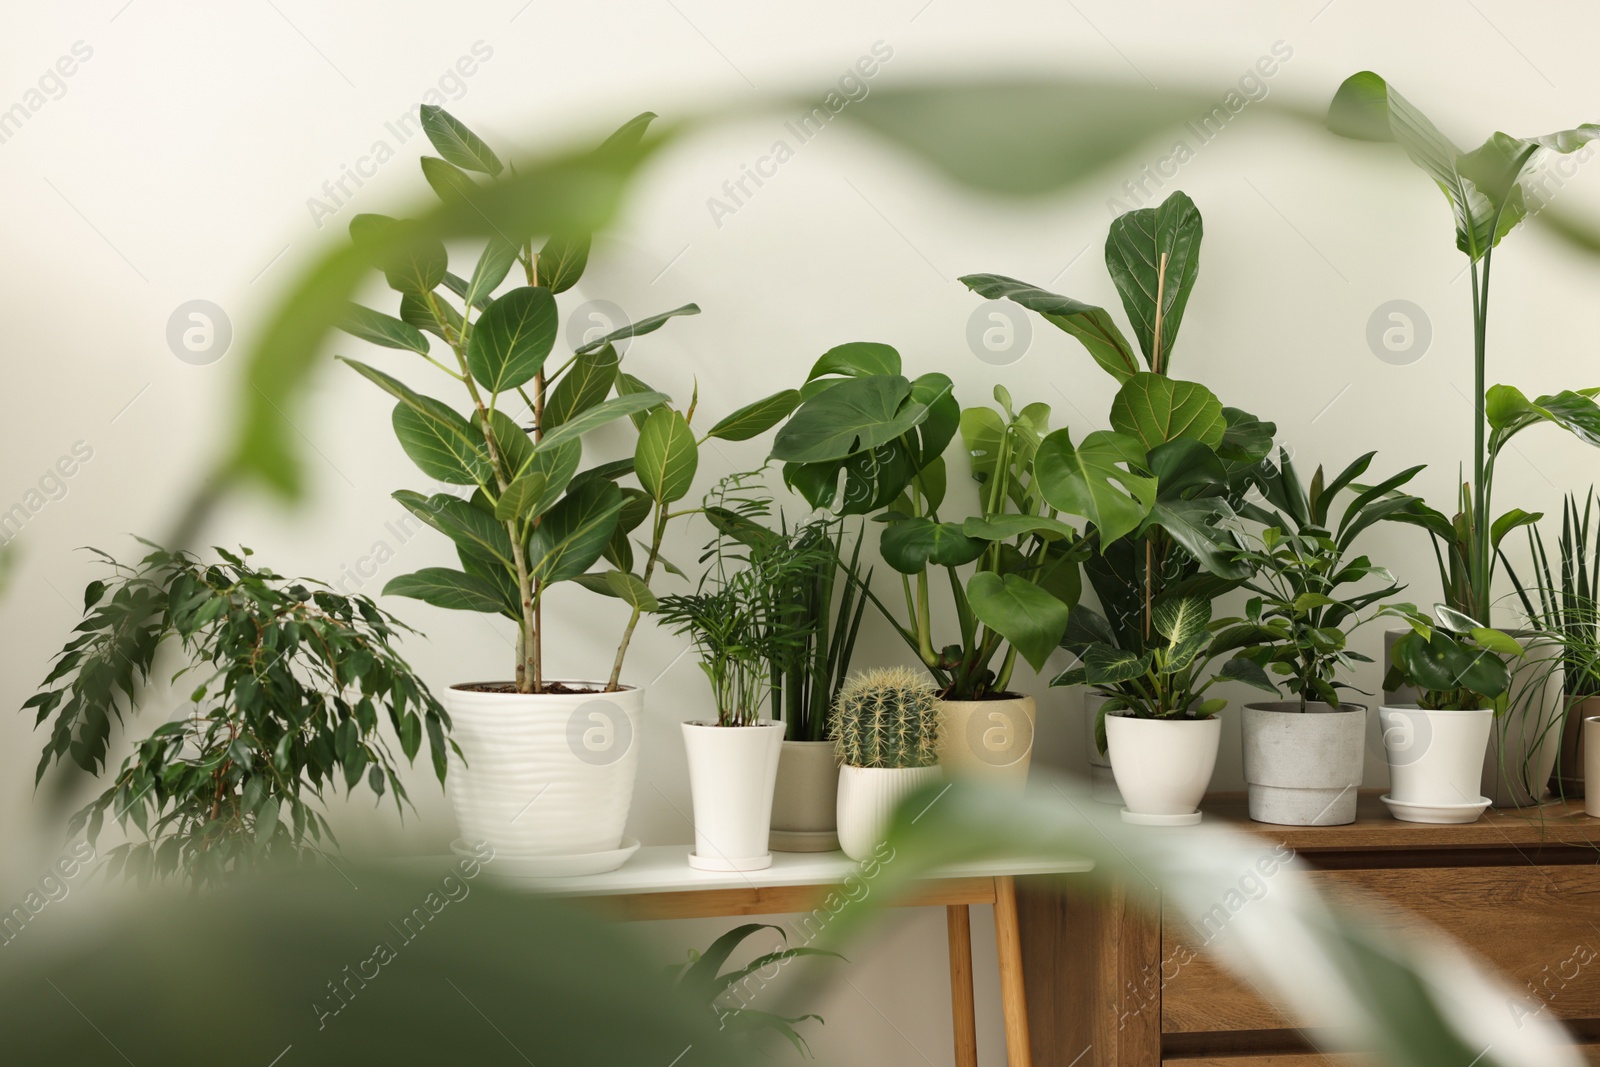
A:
(1013, 1003)
(963, 1018)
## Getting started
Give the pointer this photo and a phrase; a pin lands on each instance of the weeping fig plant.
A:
(532, 518)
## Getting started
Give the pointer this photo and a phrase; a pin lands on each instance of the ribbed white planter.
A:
(988, 740)
(1435, 762)
(1102, 783)
(545, 774)
(805, 801)
(732, 772)
(1162, 766)
(867, 799)
(1527, 739)
(1303, 768)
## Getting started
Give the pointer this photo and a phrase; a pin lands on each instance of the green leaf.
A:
(755, 419)
(586, 383)
(572, 535)
(853, 416)
(638, 329)
(1181, 619)
(1509, 412)
(615, 408)
(1157, 409)
(522, 498)
(449, 181)
(857, 359)
(1091, 481)
(1005, 527)
(1155, 251)
(493, 265)
(632, 589)
(561, 262)
(446, 588)
(1497, 642)
(909, 545)
(381, 329)
(1510, 521)
(1240, 669)
(452, 140)
(473, 531)
(442, 443)
(1092, 326)
(1016, 609)
(666, 457)
(512, 338)
(983, 432)
(1107, 665)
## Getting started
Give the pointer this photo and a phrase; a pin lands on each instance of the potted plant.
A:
(727, 994)
(886, 726)
(1303, 757)
(290, 681)
(740, 621)
(1486, 194)
(826, 613)
(1158, 488)
(549, 759)
(1568, 609)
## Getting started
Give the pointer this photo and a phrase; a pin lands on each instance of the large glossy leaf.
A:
(1021, 612)
(638, 329)
(1005, 527)
(856, 359)
(1153, 256)
(525, 497)
(1157, 409)
(1093, 326)
(572, 535)
(1106, 665)
(474, 531)
(512, 338)
(1096, 480)
(585, 384)
(666, 456)
(856, 414)
(616, 408)
(1193, 524)
(983, 434)
(562, 261)
(909, 545)
(452, 140)
(1509, 412)
(448, 181)
(381, 329)
(1445, 662)
(755, 419)
(1182, 618)
(441, 442)
(446, 588)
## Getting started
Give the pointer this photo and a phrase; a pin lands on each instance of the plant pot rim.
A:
(712, 724)
(1293, 707)
(599, 690)
(991, 698)
(1436, 711)
(1124, 714)
(925, 767)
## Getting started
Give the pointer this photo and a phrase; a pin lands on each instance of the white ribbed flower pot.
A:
(988, 740)
(1435, 762)
(732, 772)
(805, 801)
(1304, 768)
(1102, 783)
(867, 799)
(545, 774)
(1162, 766)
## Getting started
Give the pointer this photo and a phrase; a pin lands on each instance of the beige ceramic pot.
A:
(988, 740)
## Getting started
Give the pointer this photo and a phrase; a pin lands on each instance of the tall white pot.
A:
(1162, 766)
(1527, 739)
(1303, 768)
(1435, 762)
(732, 772)
(545, 774)
(867, 799)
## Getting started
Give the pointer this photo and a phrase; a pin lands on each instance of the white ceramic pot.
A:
(1527, 739)
(1102, 783)
(867, 799)
(988, 740)
(1303, 768)
(545, 774)
(1162, 766)
(1435, 762)
(732, 772)
(805, 801)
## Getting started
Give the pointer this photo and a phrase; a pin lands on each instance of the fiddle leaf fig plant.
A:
(533, 519)
(1487, 189)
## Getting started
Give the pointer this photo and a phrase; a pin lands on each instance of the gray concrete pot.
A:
(1303, 768)
(805, 800)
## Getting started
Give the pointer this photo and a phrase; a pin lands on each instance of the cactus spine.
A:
(887, 717)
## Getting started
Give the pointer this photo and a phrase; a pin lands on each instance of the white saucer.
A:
(1436, 813)
(505, 865)
(1190, 819)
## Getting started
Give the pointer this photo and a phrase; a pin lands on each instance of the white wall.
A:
(178, 162)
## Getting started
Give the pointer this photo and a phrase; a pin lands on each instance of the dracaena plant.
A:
(1565, 602)
(1488, 190)
(533, 519)
(1304, 603)
(1160, 487)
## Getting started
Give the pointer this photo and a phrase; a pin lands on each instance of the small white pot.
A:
(1162, 766)
(1435, 762)
(545, 774)
(1102, 783)
(867, 799)
(805, 801)
(1527, 739)
(988, 740)
(732, 772)
(1303, 768)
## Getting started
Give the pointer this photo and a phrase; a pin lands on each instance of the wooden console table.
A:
(1520, 889)
(658, 883)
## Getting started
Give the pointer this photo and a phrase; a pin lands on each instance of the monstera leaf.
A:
(1096, 480)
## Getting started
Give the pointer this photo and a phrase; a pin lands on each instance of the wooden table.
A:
(1520, 889)
(658, 883)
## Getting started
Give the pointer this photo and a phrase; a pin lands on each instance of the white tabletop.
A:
(665, 869)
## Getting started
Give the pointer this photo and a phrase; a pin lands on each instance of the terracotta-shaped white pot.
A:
(1102, 783)
(545, 774)
(1527, 739)
(1435, 762)
(867, 799)
(1163, 766)
(732, 772)
(805, 801)
(988, 740)
(1303, 768)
